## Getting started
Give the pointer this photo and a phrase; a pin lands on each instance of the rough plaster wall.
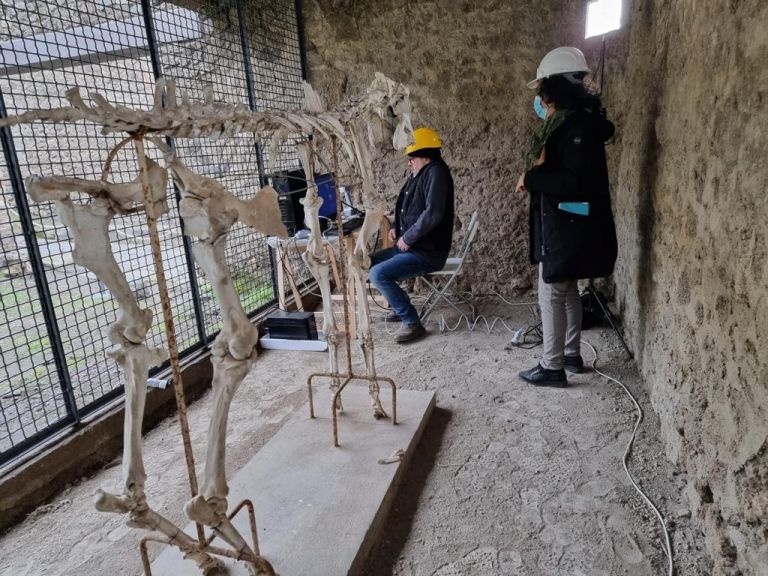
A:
(691, 281)
(686, 86)
(467, 63)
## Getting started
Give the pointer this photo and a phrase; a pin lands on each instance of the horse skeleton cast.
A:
(369, 129)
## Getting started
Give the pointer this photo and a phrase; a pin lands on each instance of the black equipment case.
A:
(291, 325)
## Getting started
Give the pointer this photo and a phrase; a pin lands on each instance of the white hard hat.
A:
(560, 61)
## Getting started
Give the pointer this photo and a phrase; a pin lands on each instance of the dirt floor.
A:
(509, 479)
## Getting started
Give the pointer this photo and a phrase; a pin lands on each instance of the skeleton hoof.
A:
(206, 512)
(213, 567)
(261, 568)
(106, 502)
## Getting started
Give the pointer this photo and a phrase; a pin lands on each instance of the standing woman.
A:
(572, 233)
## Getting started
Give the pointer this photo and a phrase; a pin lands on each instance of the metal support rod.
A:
(170, 331)
(157, 71)
(311, 396)
(368, 379)
(205, 546)
(35, 258)
(343, 264)
(251, 523)
(144, 553)
(607, 314)
(602, 67)
(149, 25)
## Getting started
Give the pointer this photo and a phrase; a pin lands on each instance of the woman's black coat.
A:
(568, 245)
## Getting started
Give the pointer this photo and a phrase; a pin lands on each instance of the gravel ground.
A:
(508, 479)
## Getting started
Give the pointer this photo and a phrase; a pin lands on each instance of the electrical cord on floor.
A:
(490, 322)
(370, 293)
(625, 459)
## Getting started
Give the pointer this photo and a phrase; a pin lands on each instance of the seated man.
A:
(423, 229)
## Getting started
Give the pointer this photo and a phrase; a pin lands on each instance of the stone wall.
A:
(692, 278)
(686, 86)
(467, 63)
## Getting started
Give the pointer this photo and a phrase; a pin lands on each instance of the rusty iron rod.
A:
(206, 547)
(111, 157)
(252, 522)
(347, 379)
(170, 331)
(343, 264)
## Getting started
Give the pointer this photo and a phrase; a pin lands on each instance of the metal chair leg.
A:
(440, 292)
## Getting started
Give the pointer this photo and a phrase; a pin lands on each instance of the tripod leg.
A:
(608, 316)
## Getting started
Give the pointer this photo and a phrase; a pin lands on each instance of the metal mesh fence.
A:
(54, 314)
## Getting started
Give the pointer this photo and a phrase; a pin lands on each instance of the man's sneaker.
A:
(539, 376)
(574, 364)
(410, 333)
(392, 317)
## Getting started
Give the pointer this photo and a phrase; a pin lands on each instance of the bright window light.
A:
(603, 16)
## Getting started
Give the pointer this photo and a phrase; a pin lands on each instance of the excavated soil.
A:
(508, 479)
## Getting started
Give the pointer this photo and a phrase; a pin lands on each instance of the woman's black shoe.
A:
(539, 376)
(574, 364)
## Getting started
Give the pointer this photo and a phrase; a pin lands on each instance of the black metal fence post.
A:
(245, 46)
(41, 282)
(157, 70)
(299, 7)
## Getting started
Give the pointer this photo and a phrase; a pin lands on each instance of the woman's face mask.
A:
(540, 108)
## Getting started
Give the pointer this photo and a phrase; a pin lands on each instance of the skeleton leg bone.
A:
(320, 270)
(89, 225)
(359, 263)
(209, 211)
(210, 506)
(135, 360)
(319, 264)
(233, 353)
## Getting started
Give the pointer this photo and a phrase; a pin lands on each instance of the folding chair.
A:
(440, 282)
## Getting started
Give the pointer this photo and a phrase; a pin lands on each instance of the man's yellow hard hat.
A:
(424, 138)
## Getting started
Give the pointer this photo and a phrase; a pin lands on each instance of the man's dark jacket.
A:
(424, 213)
(568, 245)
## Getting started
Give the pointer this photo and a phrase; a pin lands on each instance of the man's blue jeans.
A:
(390, 266)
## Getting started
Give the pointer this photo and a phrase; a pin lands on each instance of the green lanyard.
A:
(542, 134)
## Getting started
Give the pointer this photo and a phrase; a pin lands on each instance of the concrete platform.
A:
(319, 509)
